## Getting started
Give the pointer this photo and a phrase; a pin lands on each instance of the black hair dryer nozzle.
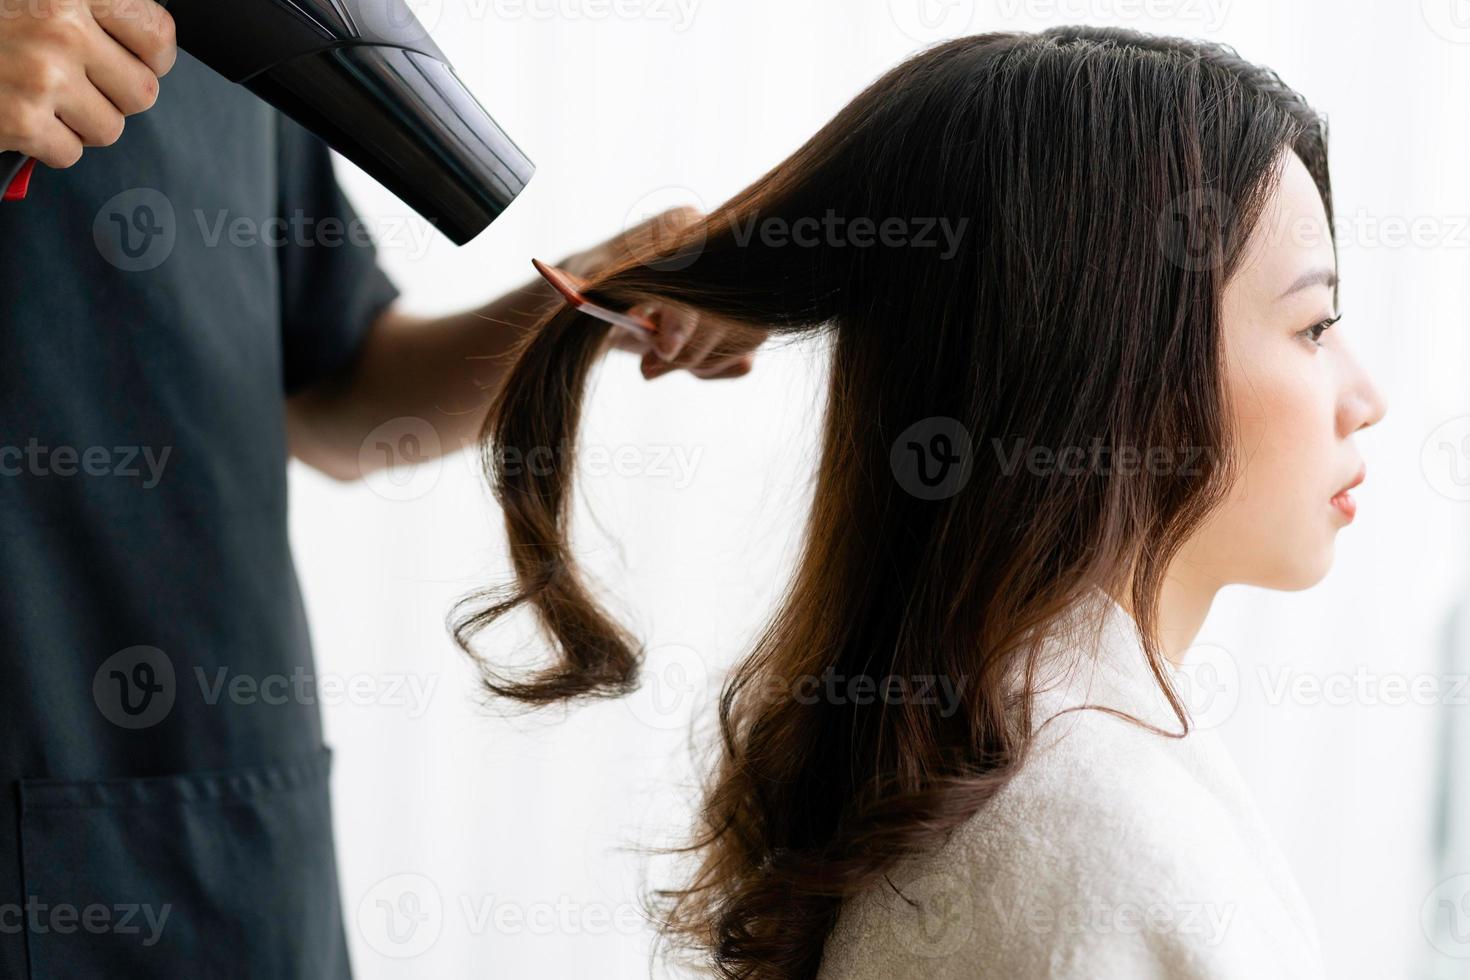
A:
(365, 77)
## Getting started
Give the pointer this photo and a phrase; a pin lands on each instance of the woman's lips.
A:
(1343, 500)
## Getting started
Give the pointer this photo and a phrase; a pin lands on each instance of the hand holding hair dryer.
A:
(365, 76)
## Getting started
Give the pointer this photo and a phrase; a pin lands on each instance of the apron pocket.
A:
(206, 874)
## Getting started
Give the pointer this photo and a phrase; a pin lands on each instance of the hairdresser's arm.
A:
(446, 370)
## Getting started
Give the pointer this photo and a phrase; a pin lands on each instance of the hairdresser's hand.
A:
(701, 345)
(70, 70)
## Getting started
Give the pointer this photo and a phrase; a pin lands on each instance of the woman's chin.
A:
(1299, 570)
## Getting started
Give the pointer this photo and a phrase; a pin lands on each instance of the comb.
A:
(571, 287)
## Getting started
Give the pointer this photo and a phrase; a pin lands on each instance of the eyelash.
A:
(1320, 328)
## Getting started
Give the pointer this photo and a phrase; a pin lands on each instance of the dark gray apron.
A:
(165, 803)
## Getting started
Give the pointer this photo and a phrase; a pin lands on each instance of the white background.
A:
(508, 832)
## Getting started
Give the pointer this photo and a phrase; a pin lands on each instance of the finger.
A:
(636, 338)
(127, 82)
(728, 367)
(675, 327)
(141, 26)
(652, 366)
(700, 347)
(712, 366)
(623, 339)
(89, 114)
(737, 367)
(53, 143)
(717, 340)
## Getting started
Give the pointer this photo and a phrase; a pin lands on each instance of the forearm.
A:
(443, 370)
(446, 371)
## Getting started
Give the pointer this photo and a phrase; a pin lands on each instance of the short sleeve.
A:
(331, 286)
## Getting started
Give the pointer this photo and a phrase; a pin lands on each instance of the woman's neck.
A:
(1184, 602)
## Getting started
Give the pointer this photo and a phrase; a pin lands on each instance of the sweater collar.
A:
(1096, 657)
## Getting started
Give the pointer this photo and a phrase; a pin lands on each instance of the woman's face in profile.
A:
(1298, 396)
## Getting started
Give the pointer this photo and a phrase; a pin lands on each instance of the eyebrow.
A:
(1317, 277)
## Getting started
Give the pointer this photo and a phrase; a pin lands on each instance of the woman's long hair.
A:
(1106, 183)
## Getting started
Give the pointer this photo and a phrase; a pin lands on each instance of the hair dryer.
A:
(365, 77)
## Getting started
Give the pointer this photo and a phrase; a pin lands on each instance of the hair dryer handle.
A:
(15, 174)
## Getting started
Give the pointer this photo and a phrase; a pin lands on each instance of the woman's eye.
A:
(1315, 331)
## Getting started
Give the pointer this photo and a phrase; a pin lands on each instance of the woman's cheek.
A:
(1273, 531)
(1295, 463)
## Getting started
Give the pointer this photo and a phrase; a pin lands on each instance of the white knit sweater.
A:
(1114, 853)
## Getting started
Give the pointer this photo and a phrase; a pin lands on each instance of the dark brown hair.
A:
(1108, 181)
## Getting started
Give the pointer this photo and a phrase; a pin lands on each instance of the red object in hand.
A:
(571, 287)
(21, 183)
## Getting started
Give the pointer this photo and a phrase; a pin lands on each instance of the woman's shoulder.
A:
(1105, 855)
(1104, 807)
